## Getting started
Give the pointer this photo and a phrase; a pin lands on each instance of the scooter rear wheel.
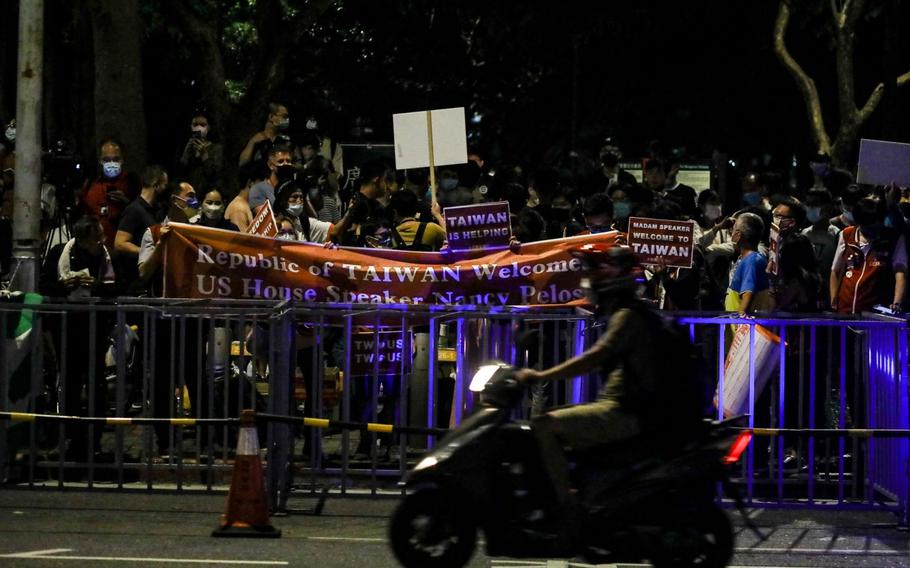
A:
(707, 542)
(429, 531)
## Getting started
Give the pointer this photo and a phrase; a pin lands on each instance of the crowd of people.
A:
(832, 246)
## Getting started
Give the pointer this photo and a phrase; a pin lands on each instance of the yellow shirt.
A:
(433, 234)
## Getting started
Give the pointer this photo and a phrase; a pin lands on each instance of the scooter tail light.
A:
(738, 447)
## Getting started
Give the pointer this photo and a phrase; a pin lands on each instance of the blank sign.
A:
(412, 144)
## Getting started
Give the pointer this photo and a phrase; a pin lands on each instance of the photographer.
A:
(78, 269)
(107, 196)
(201, 159)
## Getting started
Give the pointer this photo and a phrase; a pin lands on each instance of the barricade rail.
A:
(830, 410)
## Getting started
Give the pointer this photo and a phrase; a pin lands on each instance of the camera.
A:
(360, 210)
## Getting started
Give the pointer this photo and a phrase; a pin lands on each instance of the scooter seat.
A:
(627, 452)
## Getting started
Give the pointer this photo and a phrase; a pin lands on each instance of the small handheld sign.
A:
(478, 226)
(264, 223)
(662, 242)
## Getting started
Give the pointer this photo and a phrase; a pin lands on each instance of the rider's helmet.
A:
(613, 272)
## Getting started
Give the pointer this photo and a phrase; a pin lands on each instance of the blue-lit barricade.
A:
(832, 374)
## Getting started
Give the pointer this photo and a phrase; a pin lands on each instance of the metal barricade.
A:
(832, 374)
(352, 394)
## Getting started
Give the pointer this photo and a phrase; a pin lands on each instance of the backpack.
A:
(399, 243)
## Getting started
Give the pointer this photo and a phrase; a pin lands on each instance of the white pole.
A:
(27, 193)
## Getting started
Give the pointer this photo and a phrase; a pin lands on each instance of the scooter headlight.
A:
(426, 462)
(483, 376)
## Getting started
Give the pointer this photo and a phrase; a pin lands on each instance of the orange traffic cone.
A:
(247, 512)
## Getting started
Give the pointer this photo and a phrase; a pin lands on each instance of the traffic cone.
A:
(247, 513)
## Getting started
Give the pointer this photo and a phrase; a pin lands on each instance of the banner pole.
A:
(432, 157)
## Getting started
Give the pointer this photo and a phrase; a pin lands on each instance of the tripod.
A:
(59, 225)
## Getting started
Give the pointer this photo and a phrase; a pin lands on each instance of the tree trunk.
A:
(119, 105)
(844, 19)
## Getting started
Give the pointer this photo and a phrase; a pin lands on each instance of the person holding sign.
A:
(408, 233)
(749, 289)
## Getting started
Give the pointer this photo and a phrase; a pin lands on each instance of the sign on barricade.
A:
(736, 367)
(478, 226)
(662, 242)
(364, 351)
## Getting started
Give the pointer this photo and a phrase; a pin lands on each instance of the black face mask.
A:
(610, 160)
(285, 173)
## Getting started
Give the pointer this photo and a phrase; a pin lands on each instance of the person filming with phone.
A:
(201, 160)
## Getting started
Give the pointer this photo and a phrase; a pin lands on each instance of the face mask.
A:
(295, 209)
(111, 169)
(621, 209)
(283, 124)
(712, 212)
(11, 134)
(189, 206)
(785, 224)
(448, 184)
(287, 236)
(752, 198)
(200, 131)
(285, 173)
(212, 211)
(311, 124)
(814, 214)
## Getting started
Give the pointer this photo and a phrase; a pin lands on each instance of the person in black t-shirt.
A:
(137, 217)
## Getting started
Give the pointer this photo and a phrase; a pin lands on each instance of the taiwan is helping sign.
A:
(478, 226)
(662, 242)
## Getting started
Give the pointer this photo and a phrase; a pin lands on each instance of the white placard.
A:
(450, 143)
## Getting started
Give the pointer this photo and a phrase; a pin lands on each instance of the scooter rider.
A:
(650, 370)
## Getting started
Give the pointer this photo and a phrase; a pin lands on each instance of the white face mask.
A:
(295, 209)
(11, 133)
(212, 211)
(111, 169)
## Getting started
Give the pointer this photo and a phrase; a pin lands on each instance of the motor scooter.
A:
(650, 498)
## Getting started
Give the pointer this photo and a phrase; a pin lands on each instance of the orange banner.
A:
(201, 262)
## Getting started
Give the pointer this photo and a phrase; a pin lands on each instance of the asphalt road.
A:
(41, 528)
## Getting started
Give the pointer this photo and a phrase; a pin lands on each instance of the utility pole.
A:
(27, 192)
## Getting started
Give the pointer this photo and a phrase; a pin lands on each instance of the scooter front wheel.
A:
(429, 531)
(707, 542)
